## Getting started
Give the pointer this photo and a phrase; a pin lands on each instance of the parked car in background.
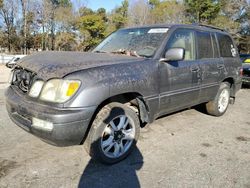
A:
(14, 60)
(246, 69)
(134, 76)
(245, 58)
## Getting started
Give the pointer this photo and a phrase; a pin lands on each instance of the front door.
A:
(180, 80)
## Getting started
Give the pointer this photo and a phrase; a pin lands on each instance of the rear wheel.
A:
(219, 105)
(113, 134)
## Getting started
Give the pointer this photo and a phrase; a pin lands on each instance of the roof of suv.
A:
(193, 26)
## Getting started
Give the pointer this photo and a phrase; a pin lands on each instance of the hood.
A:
(58, 64)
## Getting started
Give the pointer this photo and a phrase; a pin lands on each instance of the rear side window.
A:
(183, 38)
(205, 48)
(226, 45)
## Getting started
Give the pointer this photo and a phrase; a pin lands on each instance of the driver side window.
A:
(183, 38)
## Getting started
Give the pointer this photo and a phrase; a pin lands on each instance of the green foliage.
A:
(92, 26)
(119, 16)
(65, 3)
(202, 11)
(85, 11)
(101, 11)
(65, 41)
(62, 3)
(167, 12)
(226, 23)
(154, 3)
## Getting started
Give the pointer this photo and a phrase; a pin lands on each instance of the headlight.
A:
(59, 91)
(36, 88)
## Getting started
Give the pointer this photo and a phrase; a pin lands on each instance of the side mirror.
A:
(10, 65)
(174, 54)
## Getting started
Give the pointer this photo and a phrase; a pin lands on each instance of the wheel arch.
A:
(132, 99)
(231, 81)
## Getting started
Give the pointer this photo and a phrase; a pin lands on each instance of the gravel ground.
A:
(185, 149)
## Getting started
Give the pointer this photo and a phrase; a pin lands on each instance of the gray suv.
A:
(102, 98)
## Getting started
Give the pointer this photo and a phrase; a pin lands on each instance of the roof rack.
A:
(210, 26)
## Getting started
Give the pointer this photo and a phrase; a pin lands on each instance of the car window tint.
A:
(215, 45)
(226, 45)
(183, 38)
(205, 48)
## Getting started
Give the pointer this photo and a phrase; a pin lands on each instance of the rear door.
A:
(211, 64)
(229, 54)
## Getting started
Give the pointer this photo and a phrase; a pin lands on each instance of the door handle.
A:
(195, 69)
(221, 66)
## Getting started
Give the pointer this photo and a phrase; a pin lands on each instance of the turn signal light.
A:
(241, 71)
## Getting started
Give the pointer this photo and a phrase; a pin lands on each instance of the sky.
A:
(95, 4)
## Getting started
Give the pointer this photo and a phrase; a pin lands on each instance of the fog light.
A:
(41, 124)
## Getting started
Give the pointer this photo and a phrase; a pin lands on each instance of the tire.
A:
(219, 105)
(113, 134)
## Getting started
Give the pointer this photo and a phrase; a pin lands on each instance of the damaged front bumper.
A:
(57, 126)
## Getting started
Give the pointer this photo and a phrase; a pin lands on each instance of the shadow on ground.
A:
(245, 86)
(122, 174)
(201, 108)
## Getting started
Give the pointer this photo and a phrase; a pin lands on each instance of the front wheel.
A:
(113, 134)
(219, 105)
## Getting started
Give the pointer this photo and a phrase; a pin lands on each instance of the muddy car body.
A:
(115, 90)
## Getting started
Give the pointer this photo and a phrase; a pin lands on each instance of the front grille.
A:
(23, 79)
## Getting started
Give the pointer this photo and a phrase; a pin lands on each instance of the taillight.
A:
(241, 71)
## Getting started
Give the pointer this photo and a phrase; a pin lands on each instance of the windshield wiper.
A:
(99, 51)
(122, 51)
(126, 52)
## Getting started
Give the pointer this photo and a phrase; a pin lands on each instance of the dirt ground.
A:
(185, 149)
(4, 76)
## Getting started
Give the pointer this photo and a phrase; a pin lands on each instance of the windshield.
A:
(140, 42)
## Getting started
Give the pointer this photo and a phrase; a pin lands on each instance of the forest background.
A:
(36, 25)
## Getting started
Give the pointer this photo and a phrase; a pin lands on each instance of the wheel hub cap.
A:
(118, 136)
(223, 100)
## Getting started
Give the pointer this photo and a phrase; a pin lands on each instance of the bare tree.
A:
(139, 13)
(46, 18)
(24, 5)
(8, 13)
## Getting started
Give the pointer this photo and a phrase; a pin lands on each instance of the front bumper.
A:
(69, 125)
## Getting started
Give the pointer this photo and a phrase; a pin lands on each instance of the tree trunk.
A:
(23, 3)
